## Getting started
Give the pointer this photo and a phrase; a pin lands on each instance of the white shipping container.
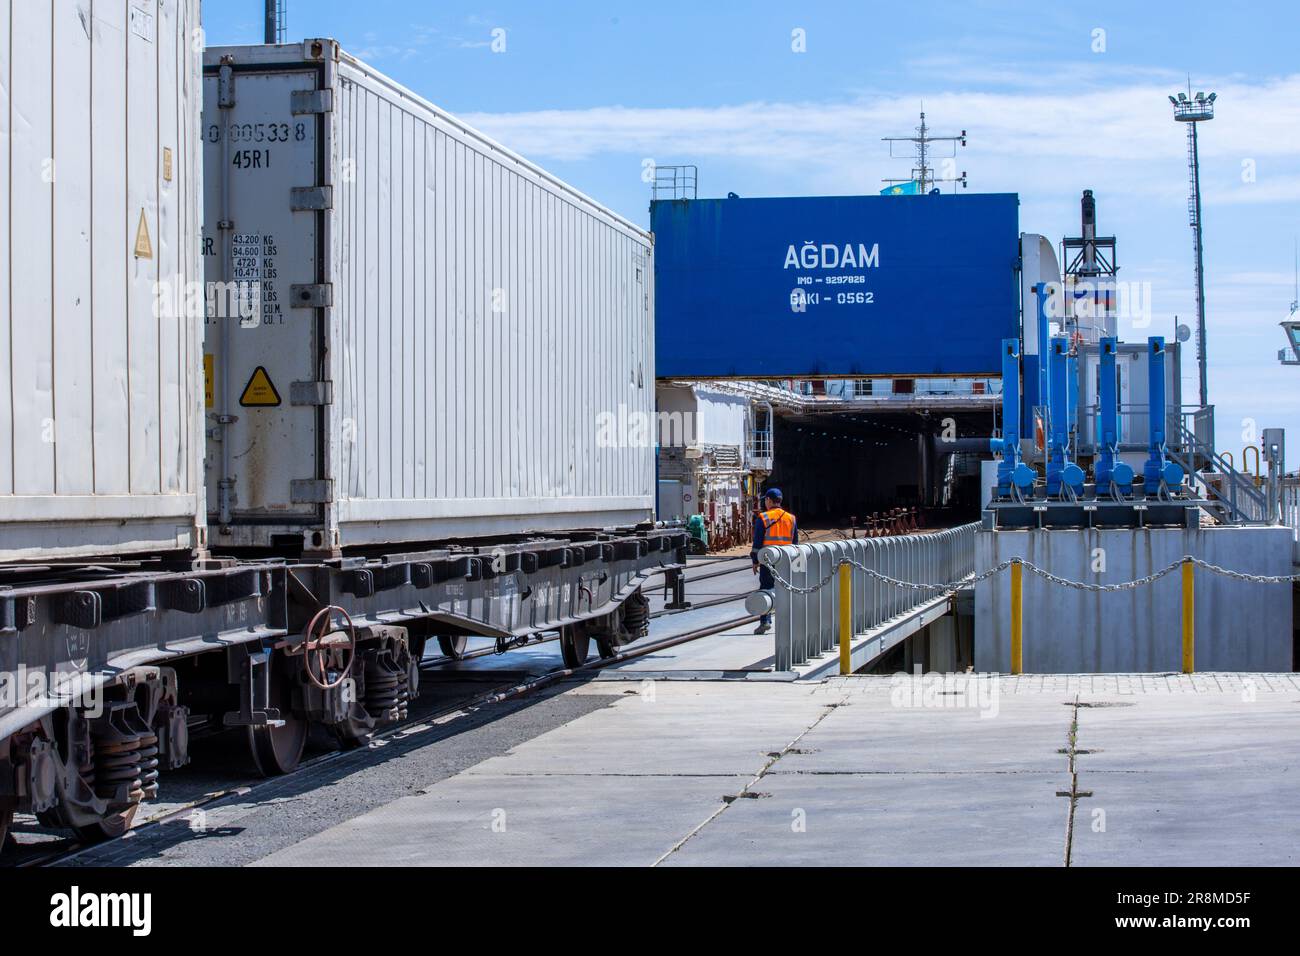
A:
(698, 416)
(434, 339)
(100, 406)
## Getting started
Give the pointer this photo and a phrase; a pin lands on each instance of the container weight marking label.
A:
(255, 272)
(260, 392)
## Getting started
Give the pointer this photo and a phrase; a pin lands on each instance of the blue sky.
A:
(591, 90)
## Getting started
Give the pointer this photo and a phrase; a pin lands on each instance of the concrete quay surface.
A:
(700, 755)
(871, 771)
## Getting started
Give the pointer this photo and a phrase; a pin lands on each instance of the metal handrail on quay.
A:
(807, 613)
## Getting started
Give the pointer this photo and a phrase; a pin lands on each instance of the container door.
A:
(261, 232)
(671, 507)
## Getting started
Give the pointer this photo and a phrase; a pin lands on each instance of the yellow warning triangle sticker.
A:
(259, 392)
(143, 246)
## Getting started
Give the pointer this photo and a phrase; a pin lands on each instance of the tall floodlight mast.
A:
(274, 31)
(1193, 110)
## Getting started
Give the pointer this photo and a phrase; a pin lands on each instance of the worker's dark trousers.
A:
(765, 583)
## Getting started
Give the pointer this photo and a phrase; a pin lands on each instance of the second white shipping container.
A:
(424, 336)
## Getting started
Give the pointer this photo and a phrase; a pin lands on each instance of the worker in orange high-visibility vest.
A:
(772, 526)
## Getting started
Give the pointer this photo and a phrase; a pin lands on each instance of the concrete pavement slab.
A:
(1188, 817)
(911, 819)
(1219, 733)
(488, 820)
(1190, 778)
(872, 735)
(671, 728)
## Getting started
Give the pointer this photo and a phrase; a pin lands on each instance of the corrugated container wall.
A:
(451, 342)
(100, 279)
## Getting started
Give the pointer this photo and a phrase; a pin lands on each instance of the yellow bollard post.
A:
(1017, 594)
(846, 619)
(1189, 618)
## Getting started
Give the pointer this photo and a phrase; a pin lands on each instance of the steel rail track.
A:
(718, 574)
(729, 599)
(496, 695)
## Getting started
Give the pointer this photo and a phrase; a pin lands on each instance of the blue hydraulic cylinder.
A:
(1011, 470)
(1158, 468)
(1044, 380)
(1072, 378)
(1036, 375)
(1061, 472)
(1108, 468)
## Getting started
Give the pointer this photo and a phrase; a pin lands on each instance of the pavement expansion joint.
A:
(1101, 703)
(914, 773)
(600, 774)
(827, 709)
(1073, 794)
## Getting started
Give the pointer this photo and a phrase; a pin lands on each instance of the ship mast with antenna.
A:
(922, 154)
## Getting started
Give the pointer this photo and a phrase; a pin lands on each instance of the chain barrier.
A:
(1243, 576)
(1041, 572)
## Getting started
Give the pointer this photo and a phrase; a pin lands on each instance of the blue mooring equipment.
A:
(1115, 497)
(1112, 476)
(1159, 472)
(1063, 475)
(1012, 472)
(1036, 375)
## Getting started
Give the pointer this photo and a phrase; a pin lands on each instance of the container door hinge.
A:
(308, 296)
(311, 101)
(311, 393)
(311, 198)
(311, 491)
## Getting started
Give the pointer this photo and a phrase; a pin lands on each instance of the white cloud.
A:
(1129, 123)
(1114, 131)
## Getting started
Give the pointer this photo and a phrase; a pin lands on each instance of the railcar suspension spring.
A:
(387, 687)
(125, 754)
(636, 614)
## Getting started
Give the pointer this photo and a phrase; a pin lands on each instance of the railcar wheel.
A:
(6, 819)
(109, 828)
(278, 750)
(453, 646)
(606, 648)
(575, 644)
